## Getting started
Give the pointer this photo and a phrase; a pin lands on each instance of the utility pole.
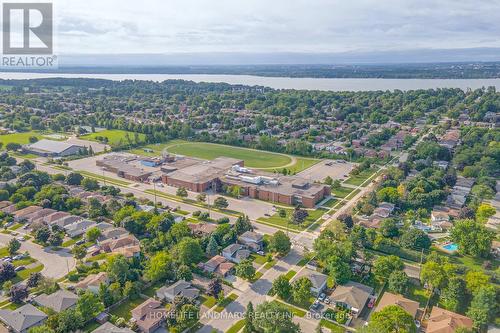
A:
(154, 191)
(103, 178)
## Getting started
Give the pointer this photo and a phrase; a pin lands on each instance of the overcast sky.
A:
(171, 26)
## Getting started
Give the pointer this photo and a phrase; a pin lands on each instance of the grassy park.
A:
(116, 138)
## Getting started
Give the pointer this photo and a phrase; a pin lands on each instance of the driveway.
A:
(56, 264)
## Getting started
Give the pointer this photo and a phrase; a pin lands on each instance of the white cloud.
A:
(164, 26)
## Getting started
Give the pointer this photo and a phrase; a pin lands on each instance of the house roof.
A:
(444, 321)
(253, 236)
(317, 279)
(392, 299)
(52, 146)
(352, 293)
(180, 288)
(110, 328)
(224, 268)
(232, 248)
(58, 301)
(114, 244)
(149, 313)
(23, 318)
(93, 280)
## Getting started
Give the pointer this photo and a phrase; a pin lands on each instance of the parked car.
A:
(80, 242)
(371, 303)
(26, 226)
(321, 297)
(260, 253)
(315, 305)
(19, 268)
(21, 239)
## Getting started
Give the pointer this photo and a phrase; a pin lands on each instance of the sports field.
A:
(23, 137)
(209, 151)
(116, 138)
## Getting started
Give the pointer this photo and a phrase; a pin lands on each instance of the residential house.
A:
(113, 233)
(52, 217)
(22, 213)
(149, 315)
(317, 279)
(79, 228)
(110, 328)
(202, 229)
(22, 319)
(180, 288)
(384, 209)
(235, 253)
(110, 245)
(58, 301)
(64, 221)
(444, 321)
(352, 296)
(252, 240)
(218, 265)
(93, 281)
(392, 299)
(38, 214)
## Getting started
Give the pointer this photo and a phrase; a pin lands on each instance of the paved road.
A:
(56, 264)
(256, 293)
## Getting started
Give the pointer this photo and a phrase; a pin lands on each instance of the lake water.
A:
(285, 82)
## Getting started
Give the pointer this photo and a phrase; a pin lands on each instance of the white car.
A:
(21, 239)
(321, 297)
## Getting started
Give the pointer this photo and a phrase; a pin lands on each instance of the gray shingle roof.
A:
(58, 301)
(22, 318)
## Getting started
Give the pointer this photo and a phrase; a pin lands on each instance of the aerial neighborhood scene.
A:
(257, 192)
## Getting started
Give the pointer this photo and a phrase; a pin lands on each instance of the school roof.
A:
(52, 146)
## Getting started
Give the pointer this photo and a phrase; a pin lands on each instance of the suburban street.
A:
(56, 264)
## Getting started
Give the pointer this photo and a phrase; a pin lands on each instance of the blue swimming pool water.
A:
(451, 247)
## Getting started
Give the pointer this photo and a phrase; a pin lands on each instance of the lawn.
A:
(283, 223)
(341, 192)
(209, 151)
(301, 164)
(123, 310)
(418, 294)
(331, 326)
(258, 259)
(225, 302)
(236, 327)
(24, 274)
(292, 309)
(256, 276)
(4, 251)
(116, 138)
(208, 301)
(330, 203)
(361, 177)
(290, 274)
(24, 137)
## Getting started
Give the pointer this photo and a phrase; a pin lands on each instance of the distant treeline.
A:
(471, 70)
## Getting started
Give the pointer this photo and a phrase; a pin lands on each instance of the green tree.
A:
(88, 305)
(483, 307)
(202, 197)
(249, 317)
(475, 280)
(434, 275)
(159, 267)
(301, 290)
(188, 251)
(221, 203)
(93, 234)
(272, 317)
(385, 265)
(282, 287)
(13, 246)
(184, 273)
(484, 212)
(181, 192)
(398, 282)
(245, 269)
(280, 243)
(41, 329)
(118, 268)
(212, 247)
(391, 319)
(454, 296)
(90, 184)
(338, 270)
(79, 251)
(415, 239)
(472, 238)
(74, 178)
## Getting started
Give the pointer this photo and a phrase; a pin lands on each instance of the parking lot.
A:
(336, 169)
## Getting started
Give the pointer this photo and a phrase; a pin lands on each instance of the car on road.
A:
(19, 268)
(21, 239)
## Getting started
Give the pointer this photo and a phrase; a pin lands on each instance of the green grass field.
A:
(116, 138)
(363, 175)
(236, 327)
(23, 137)
(282, 223)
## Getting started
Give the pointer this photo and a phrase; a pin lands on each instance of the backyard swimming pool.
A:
(451, 247)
